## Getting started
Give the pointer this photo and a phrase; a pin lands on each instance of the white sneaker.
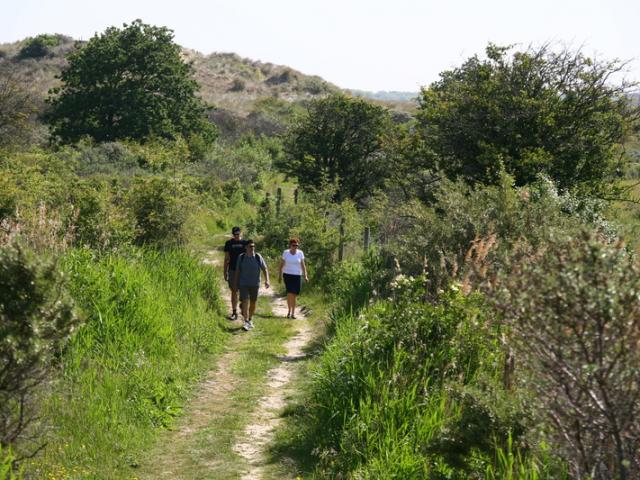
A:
(250, 324)
(247, 326)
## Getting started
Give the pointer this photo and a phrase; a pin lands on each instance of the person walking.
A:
(232, 250)
(247, 280)
(292, 270)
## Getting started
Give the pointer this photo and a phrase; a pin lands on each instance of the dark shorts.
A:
(250, 293)
(292, 282)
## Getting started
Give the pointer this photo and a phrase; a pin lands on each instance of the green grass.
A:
(208, 453)
(152, 325)
(409, 392)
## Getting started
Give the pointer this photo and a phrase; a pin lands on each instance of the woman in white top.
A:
(292, 269)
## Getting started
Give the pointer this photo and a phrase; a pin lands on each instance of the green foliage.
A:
(109, 159)
(248, 160)
(44, 203)
(572, 305)
(151, 323)
(39, 46)
(468, 232)
(159, 212)
(6, 465)
(338, 140)
(410, 390)
(315, 220)
(16, 108)
(535, 112)
(36, 319)
(128, 83)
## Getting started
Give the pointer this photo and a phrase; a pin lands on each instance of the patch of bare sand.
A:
(264, 420)
(212, 259)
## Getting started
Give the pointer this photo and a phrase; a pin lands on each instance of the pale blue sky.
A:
(366, 44)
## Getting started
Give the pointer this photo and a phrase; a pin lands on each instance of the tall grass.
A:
(6, 465)
(152, 319)
(408, 389)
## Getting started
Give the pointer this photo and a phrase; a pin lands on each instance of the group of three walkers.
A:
(242, 268)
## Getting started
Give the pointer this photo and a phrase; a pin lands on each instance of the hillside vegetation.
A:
(474, 257)
(233, 85)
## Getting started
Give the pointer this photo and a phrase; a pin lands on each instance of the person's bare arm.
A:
(265, 270)
(225, 268)
(304, 270)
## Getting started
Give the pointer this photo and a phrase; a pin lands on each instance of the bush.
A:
(109, 158)
(413, 390)
(315, 220)
(98, 222)
(237, 85)
(159, 212)
(573, 308)
(468, 233)
(36, 319)
(39, 46)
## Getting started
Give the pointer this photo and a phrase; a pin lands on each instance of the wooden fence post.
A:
(367, 238)
(278, 200)
(341, 247)
(295, 196)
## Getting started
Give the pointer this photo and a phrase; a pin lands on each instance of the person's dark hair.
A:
(251, 242)
(294, 240)
(235, 230)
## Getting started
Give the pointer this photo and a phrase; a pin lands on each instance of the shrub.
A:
(36, 319)
(159, 212)
(99, 222)
(107, 158)
(237, 85)
(39, 46)
(467, 233)
(315, 220)
(412, 390)
(573, 307)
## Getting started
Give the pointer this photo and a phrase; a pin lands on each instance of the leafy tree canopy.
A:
(533, 112)
(128, 83)
(338, 140)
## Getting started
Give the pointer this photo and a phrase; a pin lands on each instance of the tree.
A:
(338, 140)
(128, 83)
(535, 112)
(17, 106)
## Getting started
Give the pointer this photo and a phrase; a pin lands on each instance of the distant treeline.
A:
(387, 96)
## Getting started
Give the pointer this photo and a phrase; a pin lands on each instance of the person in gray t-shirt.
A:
(247, 280)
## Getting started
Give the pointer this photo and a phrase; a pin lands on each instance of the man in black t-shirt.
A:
(232, 249)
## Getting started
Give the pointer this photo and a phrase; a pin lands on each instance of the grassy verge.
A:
(409, 390)
(152, 324)
(207, 451)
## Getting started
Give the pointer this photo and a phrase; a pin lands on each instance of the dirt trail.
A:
(264, 420)
(188, 455)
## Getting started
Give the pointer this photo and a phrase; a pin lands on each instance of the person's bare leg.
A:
(252, 308)
(289, 309)
(234, 300)
(243, 306)
(291, 303)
